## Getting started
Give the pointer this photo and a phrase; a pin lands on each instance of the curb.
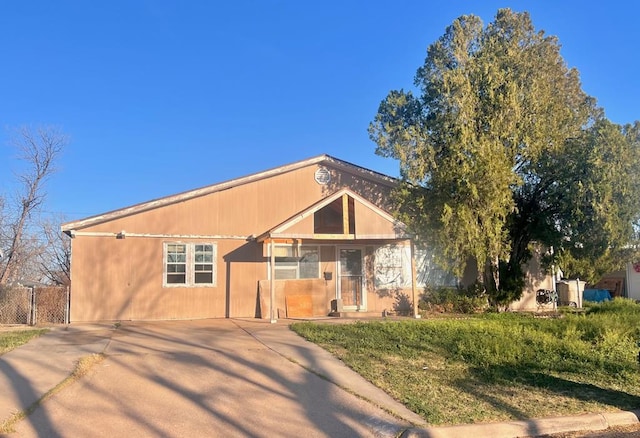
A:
(528, 428)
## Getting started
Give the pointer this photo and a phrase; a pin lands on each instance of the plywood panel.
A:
(315, 289)
(299, 306)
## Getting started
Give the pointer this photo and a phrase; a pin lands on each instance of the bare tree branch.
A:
(39, 148)
(56, 258)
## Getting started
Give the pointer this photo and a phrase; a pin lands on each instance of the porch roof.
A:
(371, 222)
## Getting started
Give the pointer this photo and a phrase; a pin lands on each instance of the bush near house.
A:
(453, 300)
(497, 367)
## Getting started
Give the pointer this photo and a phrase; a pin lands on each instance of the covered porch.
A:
(343, 256)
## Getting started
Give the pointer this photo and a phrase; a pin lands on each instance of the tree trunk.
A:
(39, 149)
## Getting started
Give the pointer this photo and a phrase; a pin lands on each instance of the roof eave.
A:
(190, 194)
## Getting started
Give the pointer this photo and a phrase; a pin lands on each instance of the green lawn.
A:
(15, 338)
(496, 367)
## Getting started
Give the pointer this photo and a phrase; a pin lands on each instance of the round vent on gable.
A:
(322, 176)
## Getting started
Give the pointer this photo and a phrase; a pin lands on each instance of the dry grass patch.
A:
(11, 339)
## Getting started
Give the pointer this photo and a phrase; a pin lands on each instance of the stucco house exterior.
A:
(304, 239)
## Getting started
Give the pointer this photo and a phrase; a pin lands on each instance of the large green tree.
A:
(598, 217)
(502, 148)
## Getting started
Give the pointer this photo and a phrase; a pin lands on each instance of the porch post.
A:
(414, 287)
(345, 214)
(272, 284)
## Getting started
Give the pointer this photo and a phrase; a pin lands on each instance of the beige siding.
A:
(305, 226)
(122, 279)
(369, 223)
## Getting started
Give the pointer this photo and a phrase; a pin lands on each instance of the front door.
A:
(350, 281)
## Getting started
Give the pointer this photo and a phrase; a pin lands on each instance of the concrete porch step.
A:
(356, 314)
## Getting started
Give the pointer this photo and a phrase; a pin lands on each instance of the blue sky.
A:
(160, 97)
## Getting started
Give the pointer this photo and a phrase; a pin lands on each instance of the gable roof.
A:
(180, 197)
(281, 229)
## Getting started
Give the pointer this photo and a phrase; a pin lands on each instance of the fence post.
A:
(67, 306)
(32, 319)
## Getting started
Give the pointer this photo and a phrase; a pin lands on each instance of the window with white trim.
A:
(189, 264)
(392, 267)
(296, 262)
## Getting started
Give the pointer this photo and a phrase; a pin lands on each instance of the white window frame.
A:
(392, 266)
(297, 249)
(190, 265)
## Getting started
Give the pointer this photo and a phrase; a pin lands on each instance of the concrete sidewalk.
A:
(29, 372)
(281, 340)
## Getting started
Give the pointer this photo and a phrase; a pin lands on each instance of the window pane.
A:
(176, 248)
(286, 274)
(328, 220)
(203, 258)
(176, 278)
(203, 253)
(176, 258)
(176, 268)
(204, 278)
(204, 268)
(286, 261)
(309, 262)
(283, 251)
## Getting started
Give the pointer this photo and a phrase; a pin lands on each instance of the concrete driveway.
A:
(212, 378)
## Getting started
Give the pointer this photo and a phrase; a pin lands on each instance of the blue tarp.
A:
(597, 295)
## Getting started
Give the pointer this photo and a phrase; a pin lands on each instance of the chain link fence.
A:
(34, 305)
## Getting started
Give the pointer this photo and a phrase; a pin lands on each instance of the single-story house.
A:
(304, 239)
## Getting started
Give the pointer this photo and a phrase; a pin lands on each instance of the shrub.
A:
(452, 300)
(616, 306)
